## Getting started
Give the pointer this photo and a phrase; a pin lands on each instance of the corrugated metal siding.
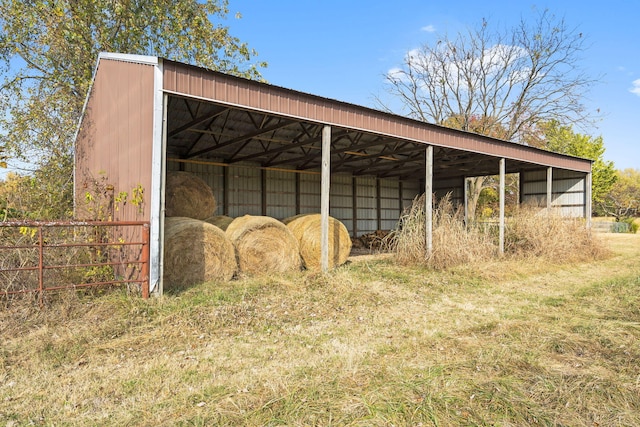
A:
(366, 211)
(281, 194)
(410, 190)
(454, 187)
(341, 199)
(244, 191)
(567, 191)
(192, 81)
(309, 193)
(116, 135)
(389, 203)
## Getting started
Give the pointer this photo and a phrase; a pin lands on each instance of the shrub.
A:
(634, 224)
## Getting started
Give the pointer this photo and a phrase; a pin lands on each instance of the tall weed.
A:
(529, 232)
(532, 232)
(453, 242)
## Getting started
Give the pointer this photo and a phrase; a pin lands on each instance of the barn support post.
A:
(587, 198)
(465, 196)
(324, 197)
(502, 197)
(428, 200)
(549, 188)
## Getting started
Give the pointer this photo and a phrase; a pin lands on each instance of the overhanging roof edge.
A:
(245, 90)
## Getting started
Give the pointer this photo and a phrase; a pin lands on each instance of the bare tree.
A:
(499, 83)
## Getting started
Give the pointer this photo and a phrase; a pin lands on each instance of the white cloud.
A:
(428, 29)
(495, 59)
(636, 87)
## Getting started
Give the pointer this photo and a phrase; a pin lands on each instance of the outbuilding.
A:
(267, 150)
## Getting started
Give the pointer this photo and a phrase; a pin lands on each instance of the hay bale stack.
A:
(220, 221)
(306, 228)
(263, 245)
(187, 195)
(196, 252)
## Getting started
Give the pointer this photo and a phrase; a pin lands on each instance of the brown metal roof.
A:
(214, 116)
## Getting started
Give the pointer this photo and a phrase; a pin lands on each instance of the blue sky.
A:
(342, 49)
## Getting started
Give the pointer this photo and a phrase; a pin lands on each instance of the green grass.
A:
(369, 344)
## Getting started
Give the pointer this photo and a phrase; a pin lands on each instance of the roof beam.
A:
(280, 149)
(194, 122)
(280, 125)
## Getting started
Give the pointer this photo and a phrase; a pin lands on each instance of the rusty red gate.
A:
(41, 256)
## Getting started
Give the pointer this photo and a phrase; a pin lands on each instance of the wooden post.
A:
(502, 190)
(587, 198)
(428, 198)
(465, 195)
(549, 188)
(40, 266)
(324, 198)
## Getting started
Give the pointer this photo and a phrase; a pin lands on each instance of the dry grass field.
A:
(493, 343)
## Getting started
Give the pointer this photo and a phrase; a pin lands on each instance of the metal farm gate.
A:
(42, 256)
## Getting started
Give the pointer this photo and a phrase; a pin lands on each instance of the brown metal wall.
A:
(194, 81)
(115, 138)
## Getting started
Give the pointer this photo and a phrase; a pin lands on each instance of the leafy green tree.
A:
(562, 139)
(48, 51)
(623, 200)
(509, 80)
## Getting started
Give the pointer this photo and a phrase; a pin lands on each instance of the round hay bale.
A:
(196, 252)
(220, 221)
(263, 245)
(287, 220)
(306, 228)
(187, 195)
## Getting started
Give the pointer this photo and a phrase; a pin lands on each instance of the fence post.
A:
(145, 260)
(40, 265)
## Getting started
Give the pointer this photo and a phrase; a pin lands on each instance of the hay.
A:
(188, 196)
(306, 228)
(195, 252)
(263, 245)
(286, 221)
(221, 221)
